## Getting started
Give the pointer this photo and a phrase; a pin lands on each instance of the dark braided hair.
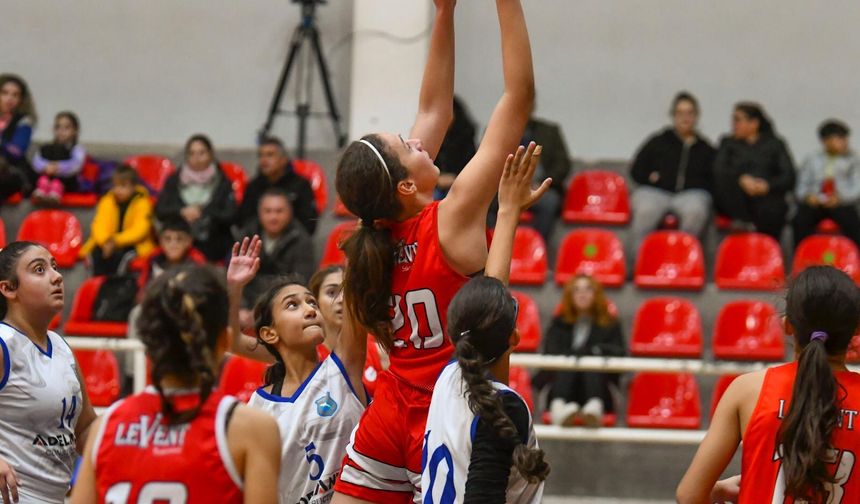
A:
(9, 257)
(481, 319)
(264, 317)
(184, 311)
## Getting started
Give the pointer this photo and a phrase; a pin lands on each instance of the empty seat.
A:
(719, 389)
(670, 260)
(748, 330)
(56, 230)
(528, 258)
(235, 173)
(831, 250)
(528, 323)
(240, 377)
(332, 254)
(667, 327)
(81, 321)
(89, 174)
(749, 261)
(596, 196)
(100, 370)
(153, 170)
(521, 382)
(664, 400)
(594, 252)
(316, 176)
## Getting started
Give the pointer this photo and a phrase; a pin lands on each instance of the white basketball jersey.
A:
(40, 402)
(315, 424)
(448, 441)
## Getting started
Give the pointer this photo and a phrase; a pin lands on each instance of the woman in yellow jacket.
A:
(122, 224)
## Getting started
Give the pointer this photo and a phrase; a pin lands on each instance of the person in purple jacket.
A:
(17, 120)
(58, 164)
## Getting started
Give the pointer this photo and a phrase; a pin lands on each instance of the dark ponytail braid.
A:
(183, 313)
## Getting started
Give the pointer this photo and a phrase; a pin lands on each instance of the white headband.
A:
(378, 155)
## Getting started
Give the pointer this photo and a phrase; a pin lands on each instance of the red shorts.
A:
(383, 459)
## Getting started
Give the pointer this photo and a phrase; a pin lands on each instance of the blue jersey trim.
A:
(271, 397)
(7, 364)
(47, 352)
(473, 428)
(333, 356)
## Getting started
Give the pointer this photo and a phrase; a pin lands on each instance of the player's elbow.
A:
(684, 494)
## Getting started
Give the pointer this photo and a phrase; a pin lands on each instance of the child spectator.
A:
(122, 224)
(828, 185)
(59, 163)
(175, 248)
(17, 120)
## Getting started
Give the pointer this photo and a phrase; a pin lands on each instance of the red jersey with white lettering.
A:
(423, 284)
(761, 464)
(139, 458)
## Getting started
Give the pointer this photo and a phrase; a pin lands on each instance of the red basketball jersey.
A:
(138, 458)
(762, 479)
(422, 286)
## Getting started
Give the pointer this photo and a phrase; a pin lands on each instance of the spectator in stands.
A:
(122, 224)
(674, 171)
(200, 193)
(287, 247)
(276, 170)
(457, 149)
(17, 120)
(58, 164)
(828, 185)
(583, 326)
(753, 172)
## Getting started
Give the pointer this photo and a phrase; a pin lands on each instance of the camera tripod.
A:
(306, 32)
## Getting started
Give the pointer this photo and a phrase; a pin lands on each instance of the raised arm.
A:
(243, 267)
(351, 348)
(436, 100)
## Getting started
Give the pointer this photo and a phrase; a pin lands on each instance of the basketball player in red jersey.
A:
(410, 254)
(799, 422)
(181, 441)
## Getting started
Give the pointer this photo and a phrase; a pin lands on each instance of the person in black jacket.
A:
(200, 193)
(276, 170)
(457, 148)
(673, 170)
(583, 326)
(753, 172)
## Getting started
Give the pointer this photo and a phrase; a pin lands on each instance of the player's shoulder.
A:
(746, 387)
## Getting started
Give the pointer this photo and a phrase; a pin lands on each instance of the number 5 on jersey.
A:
(426, 335)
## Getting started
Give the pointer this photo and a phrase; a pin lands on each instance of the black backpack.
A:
(115, 299)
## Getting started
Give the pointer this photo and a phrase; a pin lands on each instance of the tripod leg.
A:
(295, 45)
(329, 95)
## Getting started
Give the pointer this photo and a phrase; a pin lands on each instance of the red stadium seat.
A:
(81, 321)
(332, 254)
(597, 197)
(827, 226)
(100, 370)
(831, 250)
(90, 173)
(240, 377)
(670, 260)
(153, 170)
(749, 261)
(57, 230)
(748, 330)
(14, 199)
(2, 234)
(340, 209)
(521, 382)
(528, 323)
(664, 400)
(238, 178)
(667, 327)
(316, 176)
(719, 389)
(528, 260)
(594, 252)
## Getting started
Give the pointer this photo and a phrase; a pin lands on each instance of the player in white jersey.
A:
(316, 404)
(479, 441)
(45, 413)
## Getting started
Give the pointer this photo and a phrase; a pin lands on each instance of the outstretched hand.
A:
(244, 262)
(515, 188)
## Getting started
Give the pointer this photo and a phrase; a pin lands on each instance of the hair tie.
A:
(368, 223)
(378, 155)
(819, 336)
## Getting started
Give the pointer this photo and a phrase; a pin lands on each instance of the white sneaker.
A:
(592, 412)
(561, 412)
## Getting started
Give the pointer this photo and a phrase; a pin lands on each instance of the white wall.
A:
(607, 69)
(155, 71)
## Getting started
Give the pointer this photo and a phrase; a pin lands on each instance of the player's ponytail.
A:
(9, 256)
(481, 319)
(366, 182)
(264, 317)
(183, 314)
(823, 307)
